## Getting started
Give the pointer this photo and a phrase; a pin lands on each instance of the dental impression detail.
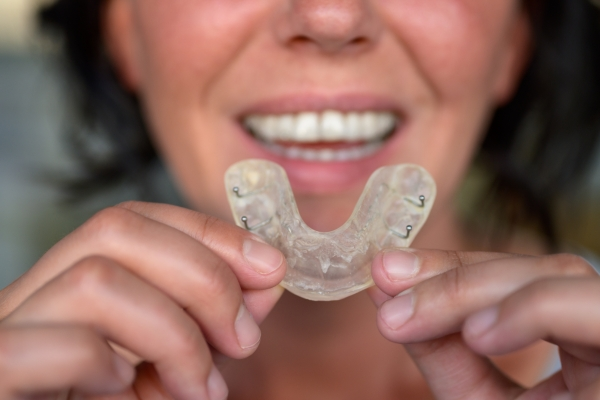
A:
(330, 265)
(344, 136)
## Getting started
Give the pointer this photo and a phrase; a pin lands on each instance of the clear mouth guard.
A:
(330, 265)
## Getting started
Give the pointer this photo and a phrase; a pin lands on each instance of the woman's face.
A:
(331, 89)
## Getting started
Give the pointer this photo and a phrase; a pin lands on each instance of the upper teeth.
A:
(327, 126)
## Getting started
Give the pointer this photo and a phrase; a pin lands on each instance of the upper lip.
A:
(318, 103)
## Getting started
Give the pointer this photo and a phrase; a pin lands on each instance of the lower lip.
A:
(315, 177)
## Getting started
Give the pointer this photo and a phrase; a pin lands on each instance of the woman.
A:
(183, 290)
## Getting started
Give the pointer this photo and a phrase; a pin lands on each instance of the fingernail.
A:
(248, 333)
(400, 265)
(397, 311)
(562, 396)
(263, 258)
(124, 370)
(482, 321)
(217, 388)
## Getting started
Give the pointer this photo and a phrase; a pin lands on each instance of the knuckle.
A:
(571, 264)
(456, 258)
(537, 296)
(206, 223)
(93, 275)
(131, 205)
(215, 281)
(108, 223)
(454, 284)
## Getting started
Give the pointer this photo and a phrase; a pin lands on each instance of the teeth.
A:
(307, 127)
(332, 126)
(286, 126)
(324, 155)
(353, 126)
(328, 126)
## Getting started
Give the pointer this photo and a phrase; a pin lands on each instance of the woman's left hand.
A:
(463, 307)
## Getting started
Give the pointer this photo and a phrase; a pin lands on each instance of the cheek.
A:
(456, 44)
(183, 48)
(183, 42)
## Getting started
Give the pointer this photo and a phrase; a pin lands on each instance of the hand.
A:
(168, 284)
(452, 309)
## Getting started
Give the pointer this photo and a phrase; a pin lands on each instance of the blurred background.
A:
(32, 116)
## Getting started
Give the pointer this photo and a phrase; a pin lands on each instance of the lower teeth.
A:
(324, 155)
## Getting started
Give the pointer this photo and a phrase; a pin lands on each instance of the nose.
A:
(328, 25)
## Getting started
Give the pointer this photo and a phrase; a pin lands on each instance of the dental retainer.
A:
(330, 265)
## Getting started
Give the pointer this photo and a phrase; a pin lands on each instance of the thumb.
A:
(451, 369)
(454, 371)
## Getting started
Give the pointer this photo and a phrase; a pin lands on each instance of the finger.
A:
(439, 305)
(121, 307)
(397, 270)
(180, 266)
(555, 309)
(147, 386)
(453, 371)
(261, 302)
(49, 358)
(135, 240)
(377, 296)
(251, 259)
(256, 264)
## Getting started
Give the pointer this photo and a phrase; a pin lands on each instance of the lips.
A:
(325, 145)
(326, 136)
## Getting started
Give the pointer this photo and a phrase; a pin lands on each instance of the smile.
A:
(326, 136)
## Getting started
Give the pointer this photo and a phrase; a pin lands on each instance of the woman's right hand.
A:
(168, 284)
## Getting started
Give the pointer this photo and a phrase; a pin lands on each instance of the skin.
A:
(180, 291)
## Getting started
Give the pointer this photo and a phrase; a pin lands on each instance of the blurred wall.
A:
(17, 23)
(34, 115)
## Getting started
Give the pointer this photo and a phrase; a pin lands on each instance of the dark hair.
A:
(536, 146)
(540, 144)
(108, 138)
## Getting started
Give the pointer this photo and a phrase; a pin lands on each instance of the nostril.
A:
(300, 40)
(358, 41)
